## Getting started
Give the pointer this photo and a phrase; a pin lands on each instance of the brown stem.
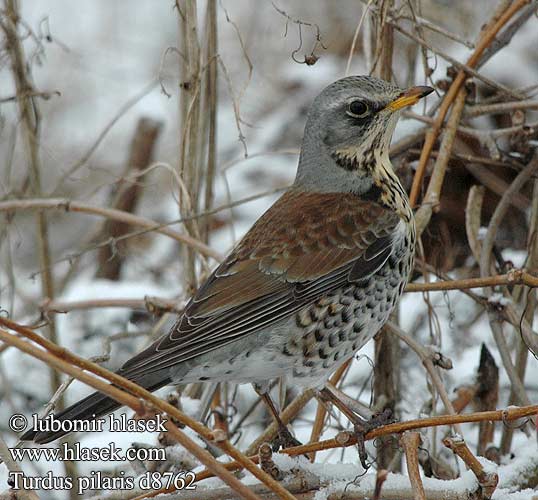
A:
(464, 395)
(306, 486)
(426, 359)
(154, 305)
(157, 305)
(346, 439)
(126, 196)
(386, 374)
(211, 98)
(190, 149)
(486, 38)
(410, 442)
(321, 412)
(433, 193)
(288, 414)
(485, 269)
(500, 107)
(108, 213)
(380, 478)
(514, 277)
(64, 360)
(454, 62)
(488, 481)
(522, 352)
(103, 134)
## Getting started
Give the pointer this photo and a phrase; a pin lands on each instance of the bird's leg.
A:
(285, 439)
(356, 406)
(360, 425)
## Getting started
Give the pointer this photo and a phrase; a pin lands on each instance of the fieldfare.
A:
(316, 276)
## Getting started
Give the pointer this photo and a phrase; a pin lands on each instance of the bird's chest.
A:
(339, 324)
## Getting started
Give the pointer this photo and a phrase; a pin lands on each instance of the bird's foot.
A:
(284, 439)
(362, 427)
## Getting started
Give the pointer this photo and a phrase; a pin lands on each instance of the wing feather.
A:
(305, 246)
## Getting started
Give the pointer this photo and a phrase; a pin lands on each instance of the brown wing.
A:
(304, 246)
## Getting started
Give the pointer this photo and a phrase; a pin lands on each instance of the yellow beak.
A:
(409, 97)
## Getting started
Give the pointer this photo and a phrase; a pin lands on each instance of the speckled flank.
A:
(341, 323)
(320, 336)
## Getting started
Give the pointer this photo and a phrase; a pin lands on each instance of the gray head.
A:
(349, 127)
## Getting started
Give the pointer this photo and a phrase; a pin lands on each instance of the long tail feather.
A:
(91, 407)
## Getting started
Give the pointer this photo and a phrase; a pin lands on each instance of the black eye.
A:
(357, 109)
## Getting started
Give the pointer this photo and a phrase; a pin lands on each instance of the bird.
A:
(316, 276)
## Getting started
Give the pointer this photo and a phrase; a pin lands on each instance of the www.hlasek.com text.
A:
(76, 452)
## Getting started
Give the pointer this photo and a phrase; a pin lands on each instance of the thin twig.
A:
(321, 412)
(66, 361)
(102, 135)
(410, 441)
(499, 108)
(299, 23)
(470, 158)
(485, 269)
(355, 36)
(211, 98)
(309, 488)
(236, 100)
(287, 415)
(522, 353)
(488, 481)
(514, 277)
(486, 38)
(157, 226)
(161, 304)
(420, 21)
(433, 193)
(508, 33)
(482, 135)
(154, 305)
(109, 213)
(30, 118)
(464, 67)
(31, 93)
(346, 439)
(427, 360)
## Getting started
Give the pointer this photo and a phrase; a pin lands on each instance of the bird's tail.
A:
(91, 407)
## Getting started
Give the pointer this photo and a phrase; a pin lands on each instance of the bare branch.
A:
(109, 213)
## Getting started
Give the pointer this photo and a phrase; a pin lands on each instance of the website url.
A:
(76, 452)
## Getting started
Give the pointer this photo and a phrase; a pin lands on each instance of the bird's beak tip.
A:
(410, 97)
